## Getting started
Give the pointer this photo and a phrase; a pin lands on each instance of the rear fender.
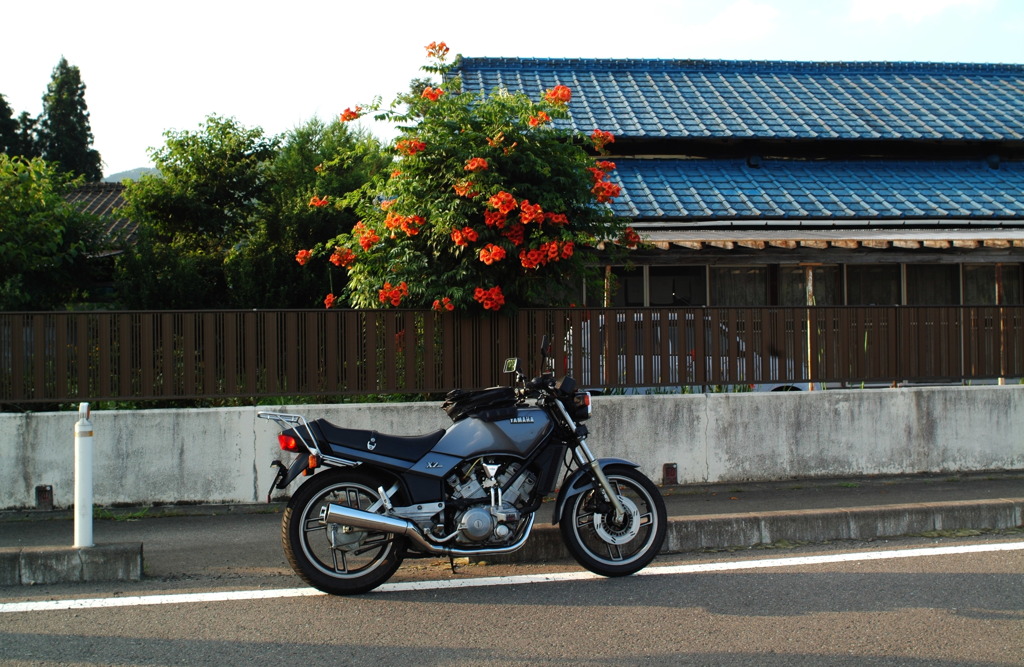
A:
(297, 467)
(286, 475)
(581, 482)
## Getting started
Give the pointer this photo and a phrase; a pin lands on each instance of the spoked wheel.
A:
(607, 547)
(333, 558)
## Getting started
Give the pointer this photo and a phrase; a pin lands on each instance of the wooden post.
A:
(1002, 324)
(809, 301)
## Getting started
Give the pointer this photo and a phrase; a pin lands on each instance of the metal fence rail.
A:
(55, 357)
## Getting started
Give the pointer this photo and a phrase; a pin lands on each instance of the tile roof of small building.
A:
(103, 200)
(771, 99)
(821, 193)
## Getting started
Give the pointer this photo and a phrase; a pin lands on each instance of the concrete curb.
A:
(724, 531)
(124, 561)
(54, 565)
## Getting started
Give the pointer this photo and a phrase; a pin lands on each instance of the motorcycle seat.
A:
(404, 447)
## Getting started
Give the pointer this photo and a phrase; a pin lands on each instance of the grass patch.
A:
(783, 544)
(676, 491)
(963, 532)
(103, 514)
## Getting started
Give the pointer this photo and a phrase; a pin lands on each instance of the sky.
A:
(152, 67)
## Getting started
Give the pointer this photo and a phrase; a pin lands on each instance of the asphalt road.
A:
(771, 607)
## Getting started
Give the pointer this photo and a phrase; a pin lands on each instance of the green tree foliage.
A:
(44, 240)
(8, 129)
(191, 214)
(218, 223)
(27, 138)
(207, 183)
(65, 136)
(17, 135)
(491, 203)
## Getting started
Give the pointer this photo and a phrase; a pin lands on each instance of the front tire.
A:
(333, 558)
(615, 549)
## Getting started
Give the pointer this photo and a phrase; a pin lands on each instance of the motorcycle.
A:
(470, 490)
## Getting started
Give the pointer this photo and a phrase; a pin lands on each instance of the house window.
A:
(627, 287)
(933, 284)
(739, 286)
(980, 284)
(872, 284)
(678, 286)
(793, 286)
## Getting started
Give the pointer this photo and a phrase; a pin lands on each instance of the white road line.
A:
(695, 568)
(141, 600)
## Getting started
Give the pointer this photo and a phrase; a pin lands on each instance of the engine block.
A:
(496, 517)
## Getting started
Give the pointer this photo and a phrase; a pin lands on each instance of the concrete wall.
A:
(224, 455)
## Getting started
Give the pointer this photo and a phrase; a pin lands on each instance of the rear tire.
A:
(604, 547)
(333, 558)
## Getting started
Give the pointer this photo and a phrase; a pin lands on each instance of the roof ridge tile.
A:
(726, 65)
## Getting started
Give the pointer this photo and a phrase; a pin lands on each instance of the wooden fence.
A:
(55, 357)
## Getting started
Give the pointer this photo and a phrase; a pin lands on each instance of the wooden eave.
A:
(846, 239)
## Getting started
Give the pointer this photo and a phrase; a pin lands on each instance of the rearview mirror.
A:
(512, 365)
(545, 353)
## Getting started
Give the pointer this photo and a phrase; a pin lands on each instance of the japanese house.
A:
(760, 183)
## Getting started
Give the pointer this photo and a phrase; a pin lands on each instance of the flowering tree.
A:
(489, 203)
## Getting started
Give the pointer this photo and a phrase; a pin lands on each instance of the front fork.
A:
(581, 452)
(586, 458)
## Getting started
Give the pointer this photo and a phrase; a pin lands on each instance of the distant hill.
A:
(133, 174)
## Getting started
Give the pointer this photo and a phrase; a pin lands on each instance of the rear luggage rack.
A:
(297, 423)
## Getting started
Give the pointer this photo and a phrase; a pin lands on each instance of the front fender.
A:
(580, 482)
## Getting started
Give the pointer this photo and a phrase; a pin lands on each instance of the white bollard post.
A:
(83, 478)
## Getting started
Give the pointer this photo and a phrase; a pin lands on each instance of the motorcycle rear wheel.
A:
(334, 558)
(613, 549)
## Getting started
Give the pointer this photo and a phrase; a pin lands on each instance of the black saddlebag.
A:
(492, 404)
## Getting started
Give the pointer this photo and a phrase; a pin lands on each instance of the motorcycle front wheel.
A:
(615, 548)
(333, 558)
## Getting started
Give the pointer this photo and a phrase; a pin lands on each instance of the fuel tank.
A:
(516, 435)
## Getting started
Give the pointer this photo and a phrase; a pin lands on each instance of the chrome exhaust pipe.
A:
(356, 518)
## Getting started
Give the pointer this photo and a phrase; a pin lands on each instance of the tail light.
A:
(288, 443)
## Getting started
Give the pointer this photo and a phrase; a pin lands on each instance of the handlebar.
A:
(547, 384)
(545, 381)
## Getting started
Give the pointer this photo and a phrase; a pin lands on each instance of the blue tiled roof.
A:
(780, 192)
(771, 99)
